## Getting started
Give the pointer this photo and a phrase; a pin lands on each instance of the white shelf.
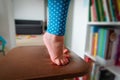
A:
(114, 69)
(99, 60)
(90, 56)
(105, 23)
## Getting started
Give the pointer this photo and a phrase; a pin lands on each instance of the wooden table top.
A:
(33, 62)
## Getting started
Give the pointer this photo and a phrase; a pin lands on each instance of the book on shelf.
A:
(89, 15)
(92, 71)
(97, 72)
(101, 42)
(97, 9)
(105, 42)
(104, 10)
(108, 6)
(95, 44)
(112, 9)
(118, 8)
(117, 61)
(101, 10)
(93, 11)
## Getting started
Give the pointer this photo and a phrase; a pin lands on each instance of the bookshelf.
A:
(103, 28)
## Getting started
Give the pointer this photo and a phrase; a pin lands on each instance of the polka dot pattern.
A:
(58, 10)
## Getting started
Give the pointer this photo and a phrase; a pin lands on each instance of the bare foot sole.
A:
(54, 45)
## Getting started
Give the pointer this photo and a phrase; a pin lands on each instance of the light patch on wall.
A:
(29, 9)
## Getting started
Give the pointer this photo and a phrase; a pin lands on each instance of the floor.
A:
(27, 40)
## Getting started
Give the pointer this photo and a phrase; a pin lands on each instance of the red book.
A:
(94, 11)
(117, 61)
(116, 10)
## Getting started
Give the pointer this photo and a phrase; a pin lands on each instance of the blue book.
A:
(104, 46)
(100, 42)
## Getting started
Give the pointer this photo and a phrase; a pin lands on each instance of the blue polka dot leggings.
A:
(58, 10)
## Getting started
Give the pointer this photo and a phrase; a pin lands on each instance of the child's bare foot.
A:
(66, 52)
(54, 45)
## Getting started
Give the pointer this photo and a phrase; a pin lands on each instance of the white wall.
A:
(29, 9)
(7, 28)
(77, 26)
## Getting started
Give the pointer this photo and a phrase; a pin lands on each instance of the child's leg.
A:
(54, 37)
